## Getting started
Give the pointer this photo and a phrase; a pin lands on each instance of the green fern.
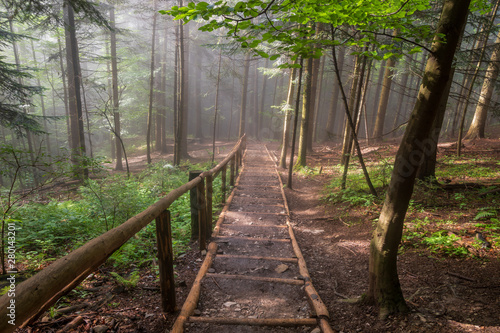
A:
(129, 283)
(486, 213)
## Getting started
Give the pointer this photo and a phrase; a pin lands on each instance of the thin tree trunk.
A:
(482, 44)
(312, 103)
(176, 97)
(306, 109)
(377, 97)
(404, 83)
(183, 96)
(350, 107)
(288, 117)
(197, 92)
(114, 86)
(42, 105)
(64, 78)
(355, 113)
(384, 287)
(244, 89)
(151, 86)
(476, 128)
(262, 102)
(216, 106)
(294, 132)
(378, 130)
(330, 123)
(318, 98)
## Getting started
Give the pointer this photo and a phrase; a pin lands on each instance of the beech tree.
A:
(384, 288)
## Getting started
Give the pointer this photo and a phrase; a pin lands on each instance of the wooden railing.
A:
(35, 295)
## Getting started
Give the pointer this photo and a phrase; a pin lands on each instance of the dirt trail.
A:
(256, 276)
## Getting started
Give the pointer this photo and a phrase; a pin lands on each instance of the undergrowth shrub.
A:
(47, 231)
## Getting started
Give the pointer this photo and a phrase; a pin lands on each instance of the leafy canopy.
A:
(296, 28)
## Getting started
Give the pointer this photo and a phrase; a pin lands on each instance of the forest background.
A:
(120, 79)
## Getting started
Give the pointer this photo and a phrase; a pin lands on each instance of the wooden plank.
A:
(285, 322)
(255, 278)
(221, 239)
(241, 256)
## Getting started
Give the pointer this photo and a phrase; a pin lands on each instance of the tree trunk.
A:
(183, 94)
(318, 99)
(312, 103)
(74, 96)
(427, 170)
(378, 130)
(198, 133)
(404, 84)
(114, 85)
(151, 86)
(244, 89)
(384, 287)
(288, 118)
(216, 105)
(163, 93)
(306, 109)
(377, 97)
(261, 107)
(330, 123)
(255, 95)
(64, 78)
(481, 45)
(42, 105)
(476, 129)
(352, 99)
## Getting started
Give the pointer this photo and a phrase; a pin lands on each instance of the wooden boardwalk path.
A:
(254, 278)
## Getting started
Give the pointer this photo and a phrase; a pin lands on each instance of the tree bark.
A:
(305, 118)
(330, 123)
(384, 287)
(114, 86)
(244, 89)
(378, 130)
(476, 128)
(288, 118)
(151, 86)
(352, 99)
(74, 96)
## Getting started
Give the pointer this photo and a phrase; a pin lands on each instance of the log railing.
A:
(35, 295)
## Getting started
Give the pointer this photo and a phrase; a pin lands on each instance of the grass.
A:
(440, 222)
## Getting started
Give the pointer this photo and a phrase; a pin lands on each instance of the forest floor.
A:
(451, 287)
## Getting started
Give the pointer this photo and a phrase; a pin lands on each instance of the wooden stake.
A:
(232, 166)
(208, 196)
(202, 215)
(166, 262)
(194, 206)
(223, 185)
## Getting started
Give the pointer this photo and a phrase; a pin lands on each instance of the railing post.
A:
(194, 206)
(223, 185)
(202, 215)
(231, 177)
(209, 193)
(166, 261)
(237, 162)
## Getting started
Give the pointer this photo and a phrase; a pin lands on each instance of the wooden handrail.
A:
(47, 286)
